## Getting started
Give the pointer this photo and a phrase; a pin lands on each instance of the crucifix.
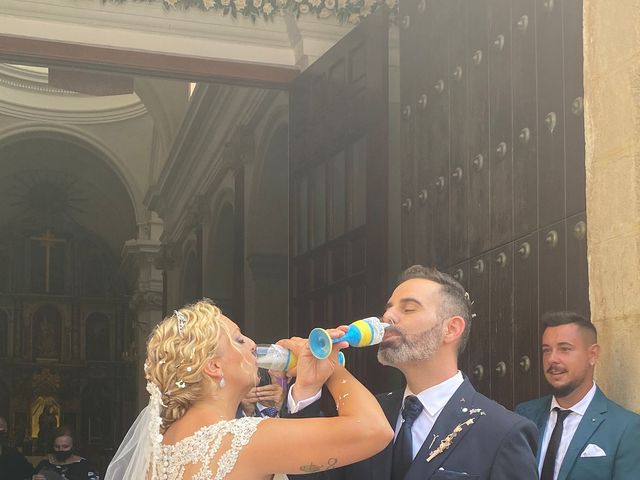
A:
(47, 241)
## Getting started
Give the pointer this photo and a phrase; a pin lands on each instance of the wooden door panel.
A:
(525, 162)
(553, 280)
(458, 165)
(501, 308)
(574, 108)
(477, 15)
(434, 169)
(550, 112)
(423, 103)
(577, 266)
(481, 341)
(461, 273)
(526, 319)
(339, 162)
(512, 122)
(500, 121)
(412, 109)
(338, 305)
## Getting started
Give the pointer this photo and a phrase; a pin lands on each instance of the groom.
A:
(444, 428)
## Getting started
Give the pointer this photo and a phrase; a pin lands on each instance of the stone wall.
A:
(612, 116)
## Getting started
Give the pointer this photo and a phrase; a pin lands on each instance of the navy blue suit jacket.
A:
(613, 429)
(499, 445)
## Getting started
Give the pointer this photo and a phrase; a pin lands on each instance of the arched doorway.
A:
(268, 240)
(64, 217)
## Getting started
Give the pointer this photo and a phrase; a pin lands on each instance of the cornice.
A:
(26, 94)
(70, 117)
(148, 27)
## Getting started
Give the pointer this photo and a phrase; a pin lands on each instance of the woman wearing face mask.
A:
(63, 461)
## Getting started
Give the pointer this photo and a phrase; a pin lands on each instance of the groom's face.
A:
(416, 331)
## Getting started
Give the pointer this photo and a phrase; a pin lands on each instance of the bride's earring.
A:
(222, 382)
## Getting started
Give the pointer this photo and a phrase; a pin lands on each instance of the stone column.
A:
(146, 302)
(612, 130)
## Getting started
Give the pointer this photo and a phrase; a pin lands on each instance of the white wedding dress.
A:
(142, 455)
(201, 447)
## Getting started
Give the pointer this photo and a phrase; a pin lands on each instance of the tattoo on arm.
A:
(312, 468)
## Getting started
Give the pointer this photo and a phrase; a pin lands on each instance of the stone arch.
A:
(275, 132)
(78, 172)
(268, 235)
(82, 139)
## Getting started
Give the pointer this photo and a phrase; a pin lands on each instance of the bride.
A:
(199, 366)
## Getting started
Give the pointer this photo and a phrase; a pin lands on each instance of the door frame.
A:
(63, 54)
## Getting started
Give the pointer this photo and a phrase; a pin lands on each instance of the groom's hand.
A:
(312, 373)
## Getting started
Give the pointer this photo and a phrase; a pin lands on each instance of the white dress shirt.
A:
(295, 407)
(433, 400)
(569, 429)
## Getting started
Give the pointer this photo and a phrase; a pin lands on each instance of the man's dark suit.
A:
(614, 430)
(499, 445)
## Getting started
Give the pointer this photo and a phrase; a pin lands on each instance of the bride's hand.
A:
(312, 373)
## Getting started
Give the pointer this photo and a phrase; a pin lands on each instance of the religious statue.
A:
(46, 342)
(47, 423)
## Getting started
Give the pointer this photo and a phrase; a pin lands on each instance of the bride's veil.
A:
(136, 453)
(133, 457)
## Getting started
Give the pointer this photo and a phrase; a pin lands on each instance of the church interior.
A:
(293, 192)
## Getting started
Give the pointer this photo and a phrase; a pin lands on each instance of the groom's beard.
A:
(407, 348)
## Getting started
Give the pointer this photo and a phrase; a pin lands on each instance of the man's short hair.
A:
(555, 319)
(454, 300)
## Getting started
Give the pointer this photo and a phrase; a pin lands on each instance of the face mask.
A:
(63, 455)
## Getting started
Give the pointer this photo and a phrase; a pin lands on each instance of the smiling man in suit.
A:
(583, 434)
(445, 430)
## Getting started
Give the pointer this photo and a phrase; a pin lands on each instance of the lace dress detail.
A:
(202, 446)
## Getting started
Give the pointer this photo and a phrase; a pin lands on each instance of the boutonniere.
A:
(447, 441)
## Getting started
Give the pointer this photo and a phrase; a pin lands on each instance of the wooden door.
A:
(339, 156)
(493, 170)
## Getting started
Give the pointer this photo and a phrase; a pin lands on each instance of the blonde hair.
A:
(175, 359)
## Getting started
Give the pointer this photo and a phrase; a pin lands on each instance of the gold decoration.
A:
(448, 440)
(45, 382)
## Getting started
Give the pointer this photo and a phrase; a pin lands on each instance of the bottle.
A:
(275, 357)
(361, 333)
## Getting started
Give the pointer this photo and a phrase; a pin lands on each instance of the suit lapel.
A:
(542, 419)
(595, 414)
(451, 416)
(380, 463)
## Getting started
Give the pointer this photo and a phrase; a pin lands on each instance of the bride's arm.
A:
(306, 445)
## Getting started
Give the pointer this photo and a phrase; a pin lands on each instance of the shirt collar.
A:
(434, 398)
(581, 407)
